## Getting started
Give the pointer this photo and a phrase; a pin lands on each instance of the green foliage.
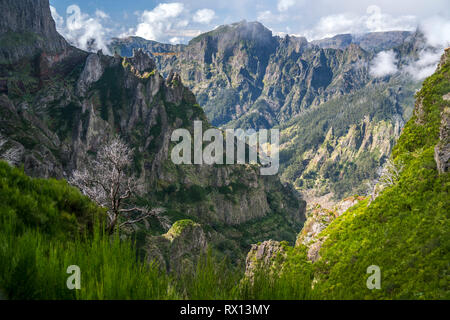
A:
(291, 281)
(52, 206)
(211, 280)
(404, 231)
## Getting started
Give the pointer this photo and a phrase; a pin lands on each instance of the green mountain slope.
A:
(404, 230)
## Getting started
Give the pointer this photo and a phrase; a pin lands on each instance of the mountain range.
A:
(338, 122)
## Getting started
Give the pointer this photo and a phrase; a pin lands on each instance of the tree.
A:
(389, 176)
(108, 183)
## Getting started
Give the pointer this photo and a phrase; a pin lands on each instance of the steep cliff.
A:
(27, 28)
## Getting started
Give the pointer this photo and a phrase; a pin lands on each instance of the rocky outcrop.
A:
(92, 72)
(179, 249)
(318, 219)
(26, 29)
(373, 41)
(244, 77)
(442, 149)
(366, 144)
(265, 256)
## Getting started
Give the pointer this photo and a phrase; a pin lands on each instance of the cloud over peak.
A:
(373, 21)
(204, 16)
(384, 64)
(82, 30)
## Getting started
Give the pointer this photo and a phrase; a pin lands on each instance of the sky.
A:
(179, 21)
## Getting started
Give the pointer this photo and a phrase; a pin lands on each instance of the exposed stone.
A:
(268, 255)
(314, 250)
(92, 72)
(179, 249)
(442, 149)
(318, 219)
(80, 100)
(32, 19)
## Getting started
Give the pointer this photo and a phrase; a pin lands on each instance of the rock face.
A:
(442, 149)
(373, 42)
(179, 249)
(92, 72)
(318, 219)
(27, 28)
(344, 162)
(266, 256)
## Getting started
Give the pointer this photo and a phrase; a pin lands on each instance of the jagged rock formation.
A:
(58, 111)
(442, 149)
(179, 249)
(245, 77)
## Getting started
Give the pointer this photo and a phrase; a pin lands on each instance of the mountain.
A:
(244, 77)
(26, 28)
(400, 231)
(59, 104)
(372, 42)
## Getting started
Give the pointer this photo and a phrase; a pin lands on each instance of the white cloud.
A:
(284, 5)
(155, 23)
(437, 34)
(437, 31)
(100, 14)
(175, 40)
(384, 63)
(59, 21)
(81, 30)
(268, 17)
(204, 16)
(425, 66)
(373, 21)
(169, 22)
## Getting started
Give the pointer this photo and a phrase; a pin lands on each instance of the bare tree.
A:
(107, 182)
(389, 174)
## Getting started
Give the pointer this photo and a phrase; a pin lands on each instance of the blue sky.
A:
(178, 21)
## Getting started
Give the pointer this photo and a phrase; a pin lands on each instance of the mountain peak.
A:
(236, 32)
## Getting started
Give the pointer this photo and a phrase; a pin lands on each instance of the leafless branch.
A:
(107, 182)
